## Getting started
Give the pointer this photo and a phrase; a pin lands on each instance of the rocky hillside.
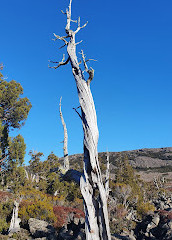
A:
(149, 162)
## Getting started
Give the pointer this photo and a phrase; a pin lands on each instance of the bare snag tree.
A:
(91, 184)
(65, 141)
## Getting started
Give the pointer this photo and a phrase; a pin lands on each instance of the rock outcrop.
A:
(41, 229)
(157, 225)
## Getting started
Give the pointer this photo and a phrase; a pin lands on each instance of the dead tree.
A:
(107, 175)
(91, 184)
(14, 225)
(65, 151)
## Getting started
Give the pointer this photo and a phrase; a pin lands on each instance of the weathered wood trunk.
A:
(107, 176)
(97, 224)
(14, 225)
(91, 184)
(65, 141)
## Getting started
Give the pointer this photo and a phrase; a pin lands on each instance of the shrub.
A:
(3, 225)
(144, 208)
(5, 215)
(5, 196)
(165, 214)
(62, 213)
(42, 210)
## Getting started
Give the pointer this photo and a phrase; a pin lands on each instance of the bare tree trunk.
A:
(14, 225)
(27, 175)
(65, 151)
(91, 184)
(107, 176)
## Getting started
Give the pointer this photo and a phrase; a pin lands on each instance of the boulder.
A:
(166, 228)
(41, 229)
(170, 225)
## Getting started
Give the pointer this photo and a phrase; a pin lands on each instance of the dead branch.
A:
(78, 42)
(91, 60)
(60, 38)
(62, 46)
(60, 63)
(80, 27)
(63, 12)
(89, 71)
(77, 112)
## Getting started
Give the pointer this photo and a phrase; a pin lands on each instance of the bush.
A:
(144, 208)
(5, 215)
(3, 225)
(62, 213)
(4, 196)
(36, 204)
(42, 210)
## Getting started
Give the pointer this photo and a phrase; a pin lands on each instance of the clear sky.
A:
(132, 88)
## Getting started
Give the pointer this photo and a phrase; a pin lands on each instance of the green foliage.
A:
(36, 204)
(73, 191)
(3, 225)
(13, 109)
(5, 213)
(22, 235)
(54, 184)
(4, 139)
(12, 164)
(16, 151)
(143, 208)
(128, 190)
(16, 179)
(69, 191)
(6, 208)
(40, 209)
(43, 185)
(35, 164)
(125, 172)
(53, 160)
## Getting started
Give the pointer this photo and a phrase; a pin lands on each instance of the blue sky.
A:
(132, 41)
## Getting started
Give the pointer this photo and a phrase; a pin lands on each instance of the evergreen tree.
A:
(35, 164)
(53, 160)
(13, 112)
(16, 151)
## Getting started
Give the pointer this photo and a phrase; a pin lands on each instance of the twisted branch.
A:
(60, 63)
(60, 38)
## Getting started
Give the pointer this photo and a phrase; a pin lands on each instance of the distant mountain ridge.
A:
(141, 158)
